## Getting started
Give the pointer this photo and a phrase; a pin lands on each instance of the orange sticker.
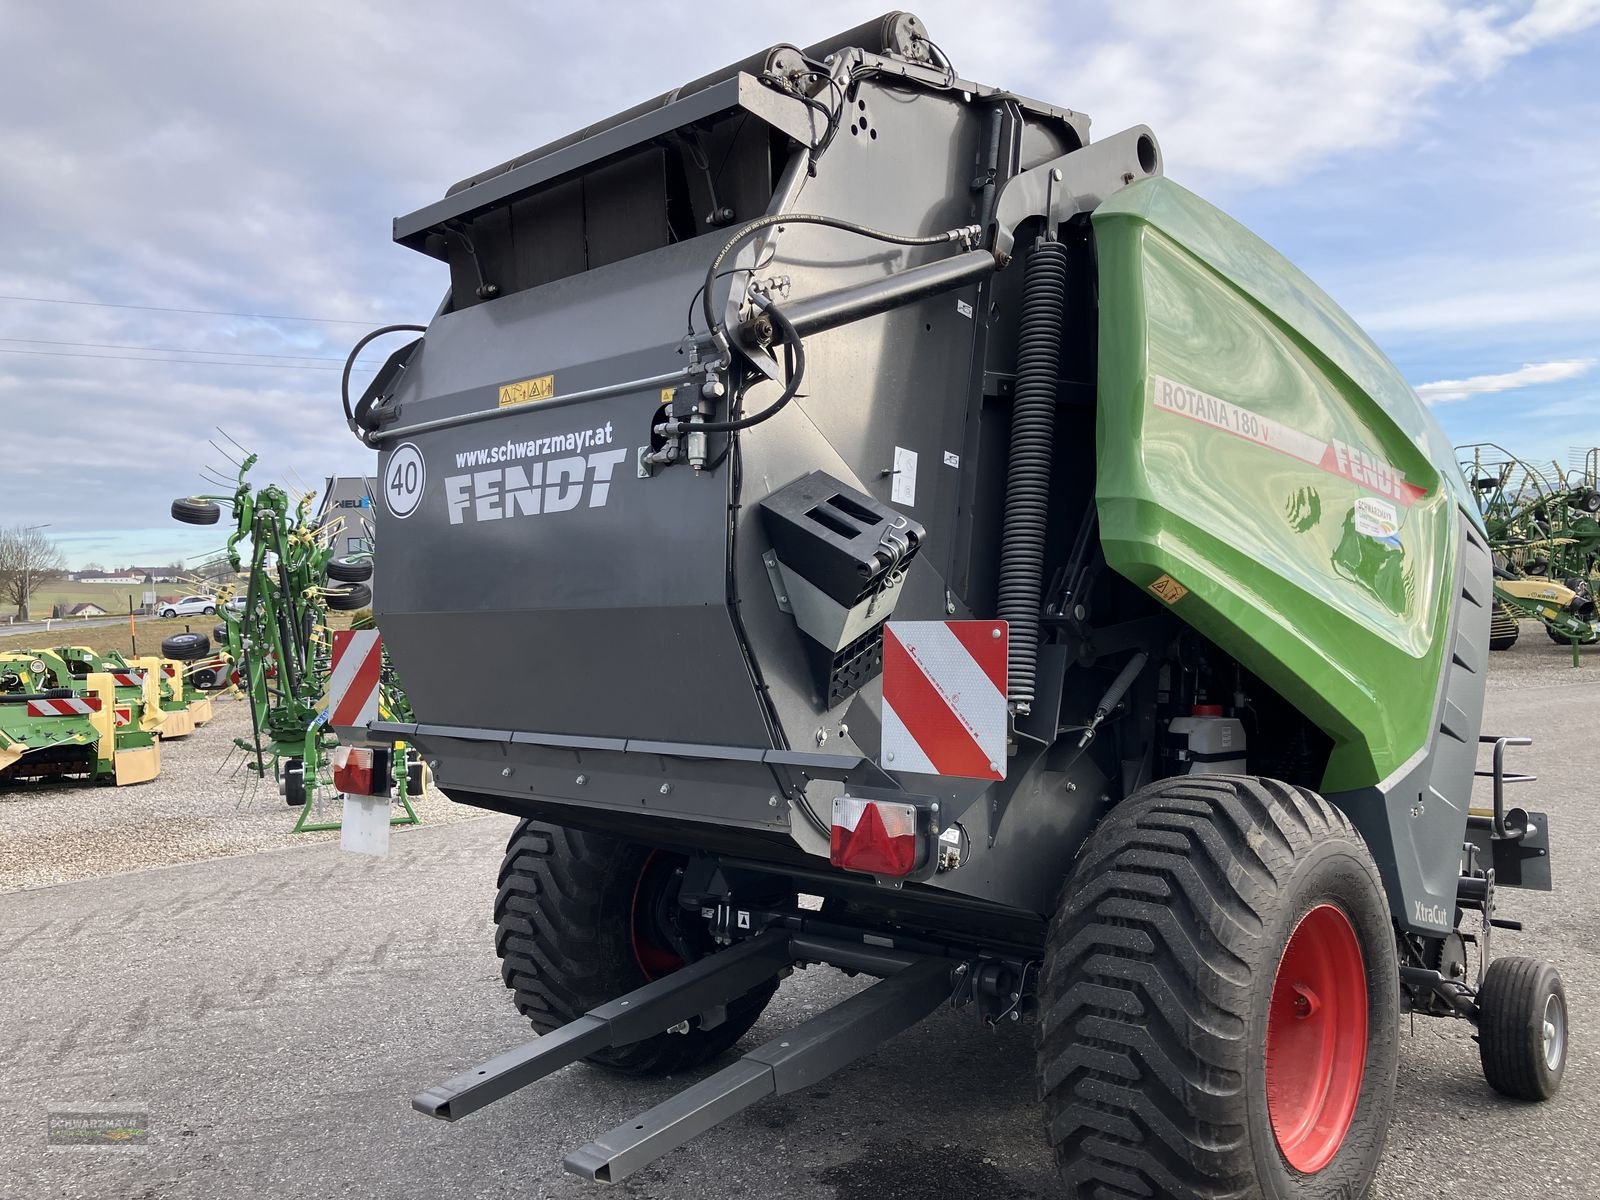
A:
(1168, 589)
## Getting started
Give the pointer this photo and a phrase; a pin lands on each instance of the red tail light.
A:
(878, 837)
(361, 771)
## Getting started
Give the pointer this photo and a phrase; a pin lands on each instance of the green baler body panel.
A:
(1259, 451)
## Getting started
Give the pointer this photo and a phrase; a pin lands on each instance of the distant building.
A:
(87, 609)
(347, 508)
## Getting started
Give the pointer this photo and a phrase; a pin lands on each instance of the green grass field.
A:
(113, 597)
(108, 637)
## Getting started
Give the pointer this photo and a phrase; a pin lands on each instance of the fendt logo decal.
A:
(1359, 466)
(533, 489)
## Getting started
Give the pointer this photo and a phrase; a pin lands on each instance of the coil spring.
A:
(1033, 427)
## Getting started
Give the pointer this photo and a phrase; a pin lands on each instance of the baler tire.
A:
(564, 933)
(185, 647)
(1176, 947)
(350, 570)
(1513, 1006)
(194, 511)
(349, 599)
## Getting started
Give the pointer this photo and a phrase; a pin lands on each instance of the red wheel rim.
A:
(1316, 1039)
(654, 958)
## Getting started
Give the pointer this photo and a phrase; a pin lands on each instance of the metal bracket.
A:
(1077, 182)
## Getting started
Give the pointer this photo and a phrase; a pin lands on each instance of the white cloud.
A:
(218, 157)
(1245, 91)
(1445, 390)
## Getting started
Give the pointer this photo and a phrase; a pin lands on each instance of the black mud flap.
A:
(1523, 862)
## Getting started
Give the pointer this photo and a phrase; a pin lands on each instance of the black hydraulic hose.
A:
(797, 372)
(746, 232)
(1033, 428)
(350, 363)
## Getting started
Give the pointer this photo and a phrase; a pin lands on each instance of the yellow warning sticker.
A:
(526, 391)
(667, 394)
(1169, 589)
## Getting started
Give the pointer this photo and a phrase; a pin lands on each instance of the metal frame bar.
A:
(914, 985)
(811, 1051)
(643, 1013)
(1497, 824)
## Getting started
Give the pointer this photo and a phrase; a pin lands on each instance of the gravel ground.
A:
(199, 807)
(1536, 661)
(274, 1013)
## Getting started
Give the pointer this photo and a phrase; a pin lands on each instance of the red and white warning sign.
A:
(353, 679)
(68, 706)
(128, 678)
(944, 698)
(124, 714)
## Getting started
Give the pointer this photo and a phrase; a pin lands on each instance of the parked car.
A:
(189, 606)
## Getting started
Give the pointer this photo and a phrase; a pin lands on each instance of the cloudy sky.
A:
(196, 197)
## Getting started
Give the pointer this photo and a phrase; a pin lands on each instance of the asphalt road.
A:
(274, 1013)
(60, 624)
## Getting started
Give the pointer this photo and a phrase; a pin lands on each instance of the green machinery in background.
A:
(277, 634)
(55, 724)
(1544, 528)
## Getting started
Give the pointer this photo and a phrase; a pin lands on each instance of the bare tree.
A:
(27, 559)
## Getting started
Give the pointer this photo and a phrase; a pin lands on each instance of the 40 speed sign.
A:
(403, 480)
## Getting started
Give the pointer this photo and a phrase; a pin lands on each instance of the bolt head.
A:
(995, 633)
(505, 772)
(666, 789)
(582, 779)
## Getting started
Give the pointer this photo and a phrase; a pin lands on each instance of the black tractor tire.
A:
(349, 599)
(185, 647)
(1177, 946)
(350, 570)
(1503, 627)
(219, 634)
(193, 511)
(569, 935)
(1522, 1027)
